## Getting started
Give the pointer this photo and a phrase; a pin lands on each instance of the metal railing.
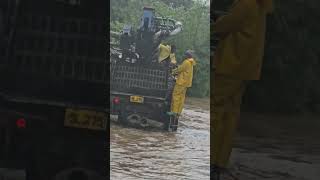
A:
(133, 76)
(60, 47)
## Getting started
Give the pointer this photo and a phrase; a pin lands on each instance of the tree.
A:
(195, 17)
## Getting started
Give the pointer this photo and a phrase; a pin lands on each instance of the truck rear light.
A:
(116, 100)
(21, 123)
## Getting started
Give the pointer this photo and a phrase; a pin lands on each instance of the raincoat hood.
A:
(165, 52)
(185, 72)
(192, 61)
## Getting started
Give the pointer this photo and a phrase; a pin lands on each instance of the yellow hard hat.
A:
(164, 52)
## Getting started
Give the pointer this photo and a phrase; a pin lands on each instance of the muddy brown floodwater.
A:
(277, 147)
(185, 154)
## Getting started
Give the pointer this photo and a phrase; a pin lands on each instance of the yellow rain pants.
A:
(184, 81)
(178, 98)
(226, 95)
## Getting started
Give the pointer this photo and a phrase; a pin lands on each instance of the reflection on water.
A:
(140, 154)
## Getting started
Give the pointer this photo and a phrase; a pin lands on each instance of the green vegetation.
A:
(290, 79)
(195, 17)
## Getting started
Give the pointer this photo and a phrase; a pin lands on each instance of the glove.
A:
(174, 71)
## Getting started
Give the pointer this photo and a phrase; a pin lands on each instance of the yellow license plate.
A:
(85, 119)
(136, 99)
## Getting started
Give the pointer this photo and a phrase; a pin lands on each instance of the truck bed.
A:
(142, 79)
(56, 51)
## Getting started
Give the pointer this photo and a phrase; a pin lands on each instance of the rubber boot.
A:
(171, 113)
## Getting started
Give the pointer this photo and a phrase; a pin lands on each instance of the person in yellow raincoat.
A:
(184, 81)
(237, 60)
(168, 58)
(173, 55)
(167, 52)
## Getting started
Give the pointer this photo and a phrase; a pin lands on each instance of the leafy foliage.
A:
(195, 17)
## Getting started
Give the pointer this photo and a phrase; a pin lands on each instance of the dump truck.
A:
(54, 77)
(139, 84)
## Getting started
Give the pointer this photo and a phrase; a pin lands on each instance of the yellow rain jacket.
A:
(185, 73)
(238, 58)
(240, 51)
(164, 52)
(184, 80)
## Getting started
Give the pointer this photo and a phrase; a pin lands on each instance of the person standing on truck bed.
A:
(184, 81)
(167, 54)
(237, 60)
(173, 55)
(168, 58)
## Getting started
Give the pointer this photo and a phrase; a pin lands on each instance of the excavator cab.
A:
(147, 20)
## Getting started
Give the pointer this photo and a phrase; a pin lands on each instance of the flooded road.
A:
(278, 161)
(277, 147)
(185, 154)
